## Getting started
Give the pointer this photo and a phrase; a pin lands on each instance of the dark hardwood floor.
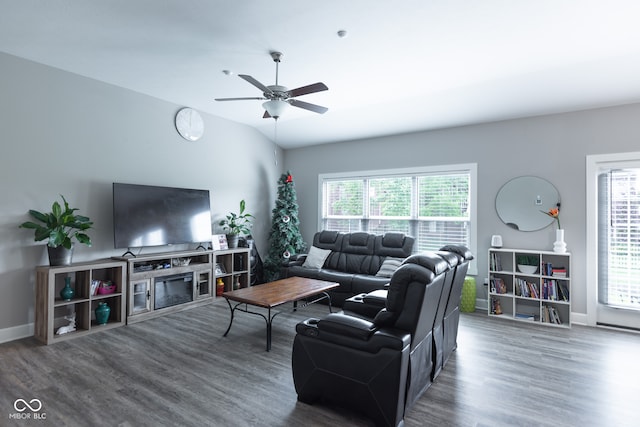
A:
(178, 370)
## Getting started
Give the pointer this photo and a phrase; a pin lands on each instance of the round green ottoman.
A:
(468, 301)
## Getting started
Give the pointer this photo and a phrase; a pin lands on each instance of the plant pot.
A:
(60, 255)
(232, 240)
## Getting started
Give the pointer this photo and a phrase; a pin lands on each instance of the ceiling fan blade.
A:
(256, 83)
(316, 87)
(239, 99)
(307, 106)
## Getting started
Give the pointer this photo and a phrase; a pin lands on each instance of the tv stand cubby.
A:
(52, 312)
(232, 268)
(163, 283)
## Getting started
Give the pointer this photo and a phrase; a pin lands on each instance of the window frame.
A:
(470, 168)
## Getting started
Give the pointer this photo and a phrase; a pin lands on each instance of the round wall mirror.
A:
(522, 202)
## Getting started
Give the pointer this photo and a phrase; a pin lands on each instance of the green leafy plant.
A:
(239, 223)
(527, 260)
(60, 226)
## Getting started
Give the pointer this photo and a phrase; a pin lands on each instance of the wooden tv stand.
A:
(163, 283)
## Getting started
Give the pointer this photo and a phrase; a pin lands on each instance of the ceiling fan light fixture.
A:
(275, 107)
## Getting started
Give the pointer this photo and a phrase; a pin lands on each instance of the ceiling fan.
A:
(279, 97)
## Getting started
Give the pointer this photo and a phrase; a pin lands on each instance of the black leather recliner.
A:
(452, 311)
(378, 367)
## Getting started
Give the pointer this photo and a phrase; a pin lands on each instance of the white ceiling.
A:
(405, 65)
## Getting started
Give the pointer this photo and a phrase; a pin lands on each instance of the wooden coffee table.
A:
(272, 294)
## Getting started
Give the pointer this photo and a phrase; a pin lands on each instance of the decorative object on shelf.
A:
(219, 287)
(220, 268)
(181, 262)
(527, 269)
(496, 241)
(106, 287)
(68, 328)
(102, 313)
(219, 242)
(59, 226)
(527, 264)
(559, 246)
(236, 224)
(285, 237)
(67, 293)
(236, 282)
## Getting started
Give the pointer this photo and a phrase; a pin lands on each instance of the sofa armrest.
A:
(295, 259)
(353, 332)
(350, 326)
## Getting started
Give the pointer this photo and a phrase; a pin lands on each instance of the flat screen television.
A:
(145, 215)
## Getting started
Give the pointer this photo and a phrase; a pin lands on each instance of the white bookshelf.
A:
(542, 296)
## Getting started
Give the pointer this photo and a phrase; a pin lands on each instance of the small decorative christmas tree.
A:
(285, 238)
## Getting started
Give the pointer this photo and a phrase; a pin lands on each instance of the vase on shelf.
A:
(102, 313)
(559, 246)
(67, 293)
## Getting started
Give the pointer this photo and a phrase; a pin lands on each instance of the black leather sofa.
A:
(354, 260)
(378, 367)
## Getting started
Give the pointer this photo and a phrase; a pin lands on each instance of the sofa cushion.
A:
(364, 283)
(300, 271)
(328, 240)
(394, 244)
(345, 279)
(389, 266)
(358, 243)
(316, 257)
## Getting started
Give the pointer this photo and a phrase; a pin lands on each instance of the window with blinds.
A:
(619, 238)
(432, 206)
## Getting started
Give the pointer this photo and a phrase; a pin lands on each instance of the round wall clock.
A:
(189, 124)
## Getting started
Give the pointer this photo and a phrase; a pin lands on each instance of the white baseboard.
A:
(16, 332)
(579, 319)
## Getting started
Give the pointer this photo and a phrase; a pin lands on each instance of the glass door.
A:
(614, 241)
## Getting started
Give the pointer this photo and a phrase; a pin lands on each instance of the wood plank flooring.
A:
(178, 370)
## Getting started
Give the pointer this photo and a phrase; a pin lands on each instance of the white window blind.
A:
(619, 238)
(434, 207)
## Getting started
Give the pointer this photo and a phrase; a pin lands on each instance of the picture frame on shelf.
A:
(219, 242)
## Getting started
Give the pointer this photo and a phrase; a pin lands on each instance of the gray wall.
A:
(65, 134)
(553, 147)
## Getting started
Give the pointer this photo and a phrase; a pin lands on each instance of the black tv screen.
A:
(145, 215)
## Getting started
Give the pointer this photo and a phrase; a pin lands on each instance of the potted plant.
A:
(527, 263)
(236, 224)
(59, 226)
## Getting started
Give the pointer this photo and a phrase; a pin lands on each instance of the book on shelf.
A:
(550, 315)
(496, 262)
(526, 289)
(555, 290)
(559, 272)
(525, 316)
